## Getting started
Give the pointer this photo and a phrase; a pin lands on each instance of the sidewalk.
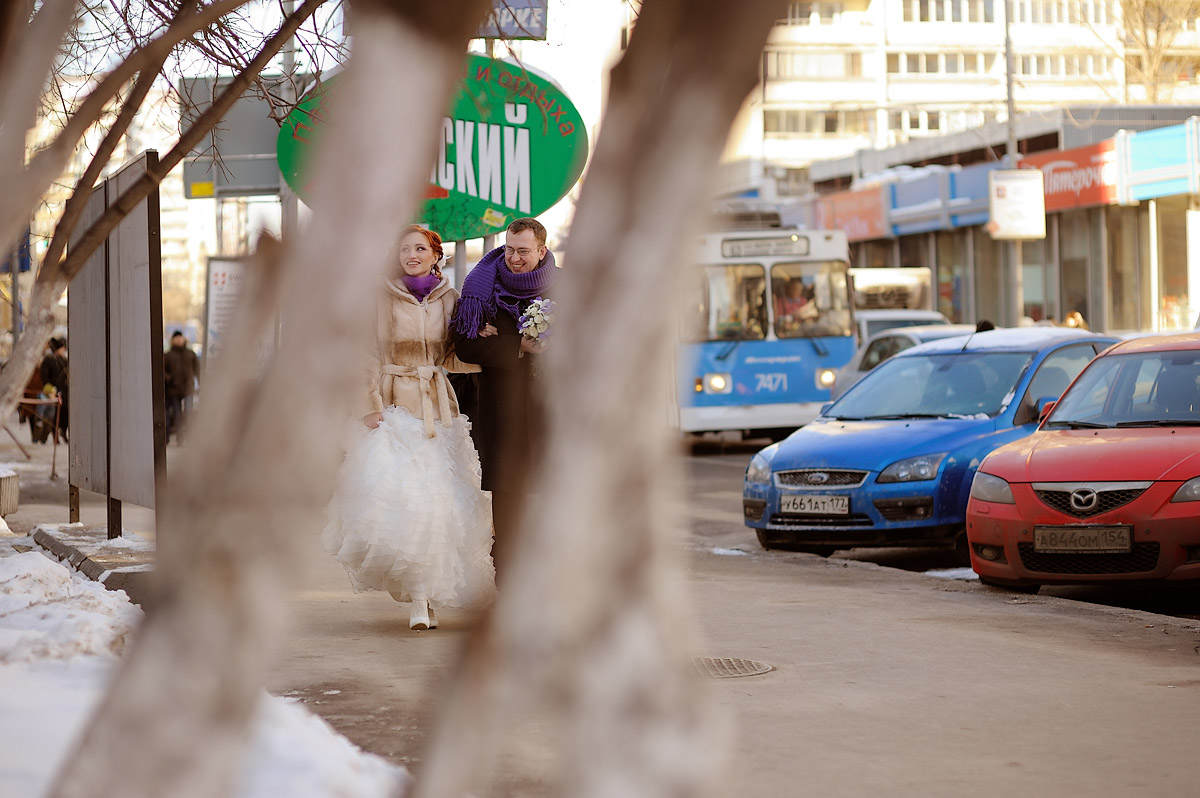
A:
(122, 564)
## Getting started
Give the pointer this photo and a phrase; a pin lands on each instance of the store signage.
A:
(515, 19)
(512, 146)
(1017, 205)
(859, 214)
(1078, 178)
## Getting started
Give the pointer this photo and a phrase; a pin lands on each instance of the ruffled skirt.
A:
(408, 515)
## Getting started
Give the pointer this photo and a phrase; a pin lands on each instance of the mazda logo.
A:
(1084, 499)
(818, 478)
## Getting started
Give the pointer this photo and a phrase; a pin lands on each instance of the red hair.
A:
(434, 240)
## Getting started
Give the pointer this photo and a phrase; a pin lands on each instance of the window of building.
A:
(970, 62)
(913, 65)
(1025, 65)
(822, 13)
(893, 63)
(798, 122)
(953, 63)
(933, 120)
(931, 63)
(923, 10)
(989, 63)
(791, 64)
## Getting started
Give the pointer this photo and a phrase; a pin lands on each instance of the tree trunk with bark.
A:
(591, 625)
(174, 720)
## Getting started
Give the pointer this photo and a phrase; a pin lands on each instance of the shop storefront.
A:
(1122, 244)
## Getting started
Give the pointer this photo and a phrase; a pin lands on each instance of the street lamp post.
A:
(1016, 294)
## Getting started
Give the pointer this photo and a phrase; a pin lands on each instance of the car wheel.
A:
(1015, 587)
(762, 539)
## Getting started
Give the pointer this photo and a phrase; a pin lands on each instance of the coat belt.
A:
(430, 377)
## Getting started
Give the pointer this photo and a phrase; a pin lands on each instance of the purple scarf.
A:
(490, 285)
(421, 286)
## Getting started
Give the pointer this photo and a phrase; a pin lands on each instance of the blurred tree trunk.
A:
(174, 721)
(590, 625)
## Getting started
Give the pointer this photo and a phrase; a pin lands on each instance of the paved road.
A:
(884, 681)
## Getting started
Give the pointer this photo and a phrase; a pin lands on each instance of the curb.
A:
(88, 550)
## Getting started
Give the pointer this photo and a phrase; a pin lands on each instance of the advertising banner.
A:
(1078, 178)
(859, 214)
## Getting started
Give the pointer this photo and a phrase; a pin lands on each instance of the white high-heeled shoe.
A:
(422, 616)
(419, 617)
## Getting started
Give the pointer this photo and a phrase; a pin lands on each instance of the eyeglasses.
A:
(524, 252)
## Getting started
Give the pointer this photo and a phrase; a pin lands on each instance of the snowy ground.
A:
(61, 637)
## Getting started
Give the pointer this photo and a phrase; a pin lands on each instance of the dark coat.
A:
(180, 366)
(508, 425)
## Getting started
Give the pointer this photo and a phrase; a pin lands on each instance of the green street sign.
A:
(513, 145)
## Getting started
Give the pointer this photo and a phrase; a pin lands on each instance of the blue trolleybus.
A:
(768, 320)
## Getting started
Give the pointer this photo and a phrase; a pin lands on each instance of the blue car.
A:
(890, 463)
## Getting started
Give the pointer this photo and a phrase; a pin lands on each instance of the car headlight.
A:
(914, 469)
(759, 470)
(826, 378)
(988, 488)
(716, 382)
(1188, 491)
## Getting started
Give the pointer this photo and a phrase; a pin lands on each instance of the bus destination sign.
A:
(764, 247)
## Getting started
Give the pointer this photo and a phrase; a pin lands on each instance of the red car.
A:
(1108, 488)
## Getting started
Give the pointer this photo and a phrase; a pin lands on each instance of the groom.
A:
(485, 331)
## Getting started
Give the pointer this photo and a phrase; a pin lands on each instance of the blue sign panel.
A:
(515, 19)
(969, 195)
(1159, 163)
(920, 205)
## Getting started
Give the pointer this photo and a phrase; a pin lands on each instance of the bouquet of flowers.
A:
(535, 321)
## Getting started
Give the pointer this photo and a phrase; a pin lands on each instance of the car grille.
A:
(799, 478)
(1144, 557)
(1106, 500)
(853, 519)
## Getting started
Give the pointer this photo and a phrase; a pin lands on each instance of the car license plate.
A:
(803, 504)
(1081, 539)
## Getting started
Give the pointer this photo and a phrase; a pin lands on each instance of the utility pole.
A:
(1015, 307)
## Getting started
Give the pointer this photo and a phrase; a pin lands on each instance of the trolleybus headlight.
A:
(987, 488)
(718, 383)
(914, 469)
(825, 378)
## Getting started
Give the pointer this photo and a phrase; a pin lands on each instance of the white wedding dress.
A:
(408, 516)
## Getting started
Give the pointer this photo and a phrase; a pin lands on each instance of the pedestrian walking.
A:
(492, 326)
(181, 367)
(408, 515)
(55, 378)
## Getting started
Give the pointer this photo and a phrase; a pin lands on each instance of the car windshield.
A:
(954, 384)
(1133, 390)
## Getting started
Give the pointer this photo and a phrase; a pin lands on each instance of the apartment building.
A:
(838, 77)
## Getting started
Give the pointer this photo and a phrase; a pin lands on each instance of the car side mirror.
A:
(1045, 405)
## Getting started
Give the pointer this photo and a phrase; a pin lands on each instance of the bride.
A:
(408, 515)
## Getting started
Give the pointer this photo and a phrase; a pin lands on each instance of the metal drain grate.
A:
(728, 667)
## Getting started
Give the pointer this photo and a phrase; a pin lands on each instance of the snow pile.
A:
(46, 612)
(297, 754)
(60, 635)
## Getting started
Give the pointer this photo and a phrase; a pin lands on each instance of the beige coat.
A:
(413, 348)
